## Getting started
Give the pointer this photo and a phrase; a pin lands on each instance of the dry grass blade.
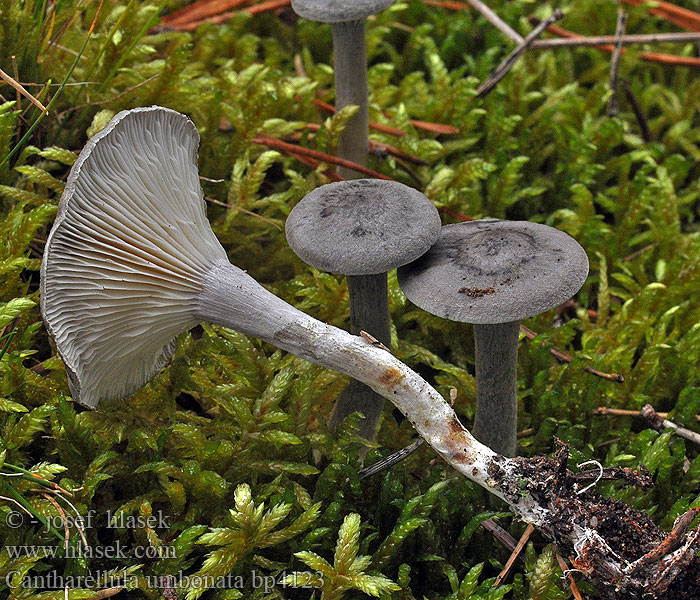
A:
(21, 90)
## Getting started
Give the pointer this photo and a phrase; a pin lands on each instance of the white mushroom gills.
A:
(131, 262)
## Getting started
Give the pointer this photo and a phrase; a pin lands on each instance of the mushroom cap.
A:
(491, 271)
(124, 261)
(362, 226)
(338, 11)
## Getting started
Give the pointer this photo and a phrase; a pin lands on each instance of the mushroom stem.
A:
(351, 89)
(369, 306)
(369, 311)
(232, 298)
(496, 420)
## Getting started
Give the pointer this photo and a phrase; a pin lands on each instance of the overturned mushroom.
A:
(347, 18)
(362, 229)
(493, 274)
(131, 262)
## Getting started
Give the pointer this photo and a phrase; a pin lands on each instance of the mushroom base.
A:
(620, 550)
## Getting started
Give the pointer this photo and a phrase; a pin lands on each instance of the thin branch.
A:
(376, 126)
(566, 571)
(501, 535)
(655, 57)
(567, 358)
(391, 460)
(512, 58)
(377, 148)
(439, 128)
(485, 12)
(613, 108)
(267, 6)
(19, 88)
(659, 423)
(243, 210)
(621, 412)
(625, 40)
(637, 110)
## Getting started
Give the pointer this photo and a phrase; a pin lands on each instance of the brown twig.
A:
(567, 358)
(199, 11)
(514, 555)
(637, 110)
(377, 148)
(639, 252)
(615, 62)
(502, 69)
(438, 128)
(214, 11)
(501, 535)
(682, 17)
(455, 214)
(268, 6)
(278, 144)
(566, 571)
(655, 57)
(372, 125)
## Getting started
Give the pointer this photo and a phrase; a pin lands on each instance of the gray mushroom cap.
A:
(490, 271)
(362, 226)
(338, 11)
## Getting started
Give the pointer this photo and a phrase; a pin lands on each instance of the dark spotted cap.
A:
(493, 271)
(338, 11)
(362, 226)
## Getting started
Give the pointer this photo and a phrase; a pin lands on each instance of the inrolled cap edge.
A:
(338, 11)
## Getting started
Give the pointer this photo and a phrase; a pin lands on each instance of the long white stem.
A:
(234, 299)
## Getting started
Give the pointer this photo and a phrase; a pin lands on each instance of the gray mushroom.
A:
(347, 18)
(362, 229)
(131, 262)
(493, 274)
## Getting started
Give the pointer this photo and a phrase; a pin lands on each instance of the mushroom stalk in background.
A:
(362, 229)
(131, 262)
(493, 274)
(347, 19)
